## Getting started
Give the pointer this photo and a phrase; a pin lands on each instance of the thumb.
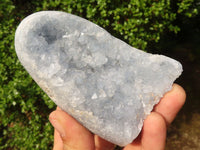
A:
(73, 135)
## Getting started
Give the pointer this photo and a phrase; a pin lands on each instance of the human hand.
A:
(70, 135)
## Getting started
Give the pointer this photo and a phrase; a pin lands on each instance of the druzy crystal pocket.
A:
(104, 83)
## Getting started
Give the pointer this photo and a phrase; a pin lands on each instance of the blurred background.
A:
(168, 27)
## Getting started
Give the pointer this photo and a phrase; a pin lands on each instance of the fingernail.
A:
(58, 108)
(56, 124)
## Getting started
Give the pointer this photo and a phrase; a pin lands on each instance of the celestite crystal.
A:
(104, 83)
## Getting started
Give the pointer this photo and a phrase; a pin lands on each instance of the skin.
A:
(70, 135)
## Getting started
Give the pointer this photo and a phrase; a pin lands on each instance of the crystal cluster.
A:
(104, 83)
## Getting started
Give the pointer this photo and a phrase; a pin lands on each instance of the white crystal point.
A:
(107, 85)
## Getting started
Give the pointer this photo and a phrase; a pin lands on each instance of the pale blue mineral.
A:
(104, 83)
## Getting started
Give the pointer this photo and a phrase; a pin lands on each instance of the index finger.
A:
(171, 103)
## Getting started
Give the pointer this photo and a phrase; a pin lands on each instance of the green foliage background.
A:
(24, 107)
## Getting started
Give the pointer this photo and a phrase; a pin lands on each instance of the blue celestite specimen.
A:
(104, 83)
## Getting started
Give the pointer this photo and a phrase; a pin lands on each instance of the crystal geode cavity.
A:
(104, 83)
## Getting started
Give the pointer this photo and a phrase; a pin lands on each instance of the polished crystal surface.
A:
(104, 83)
